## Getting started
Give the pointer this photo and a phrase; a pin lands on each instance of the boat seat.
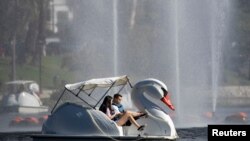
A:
(121, 130)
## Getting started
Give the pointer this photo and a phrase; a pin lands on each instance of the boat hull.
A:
(98, 138)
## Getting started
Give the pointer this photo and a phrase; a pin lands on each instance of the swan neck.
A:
(146, 102)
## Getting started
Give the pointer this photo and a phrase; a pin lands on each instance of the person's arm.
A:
(115, 108)
(108, 113)
(122, 110)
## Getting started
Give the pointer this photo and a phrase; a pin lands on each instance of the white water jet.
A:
(218, 31)
(115, 37)
(177, 41)
(133, 14)
(177, 61)
(199, 36)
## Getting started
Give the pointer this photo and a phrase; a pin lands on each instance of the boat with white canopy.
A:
(76, 116)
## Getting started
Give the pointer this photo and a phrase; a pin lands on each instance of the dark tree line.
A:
(19, 22)
(237, 52)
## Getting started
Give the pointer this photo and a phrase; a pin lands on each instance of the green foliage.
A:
(50, 68)
(15, 17)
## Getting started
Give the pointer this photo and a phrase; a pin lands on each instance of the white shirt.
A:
(115, 108)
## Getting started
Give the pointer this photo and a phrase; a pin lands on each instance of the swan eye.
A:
(164, 91)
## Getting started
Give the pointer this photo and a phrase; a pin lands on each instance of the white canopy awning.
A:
(100, 82)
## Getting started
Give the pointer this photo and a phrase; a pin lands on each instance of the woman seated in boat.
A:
(119, 118)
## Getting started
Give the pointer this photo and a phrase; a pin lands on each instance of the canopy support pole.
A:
(105, 94)
(58, 100)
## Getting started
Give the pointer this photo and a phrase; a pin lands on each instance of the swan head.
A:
(154, 89)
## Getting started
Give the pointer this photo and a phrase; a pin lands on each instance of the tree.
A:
(20, 18)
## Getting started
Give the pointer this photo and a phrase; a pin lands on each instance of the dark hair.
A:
(117, 95)
(107, 102)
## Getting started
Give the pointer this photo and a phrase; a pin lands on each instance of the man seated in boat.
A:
(118, 108)
(118, 117)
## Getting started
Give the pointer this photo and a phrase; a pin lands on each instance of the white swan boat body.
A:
(21, 106)
(71, 120)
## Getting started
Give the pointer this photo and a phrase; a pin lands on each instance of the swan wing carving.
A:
(73, 119)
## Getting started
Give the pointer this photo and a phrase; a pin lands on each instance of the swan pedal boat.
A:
(21, 106)
(81, 119)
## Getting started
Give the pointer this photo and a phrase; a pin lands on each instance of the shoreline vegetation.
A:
(54, 77)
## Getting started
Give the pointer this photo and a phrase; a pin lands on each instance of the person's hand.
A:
(118, 114)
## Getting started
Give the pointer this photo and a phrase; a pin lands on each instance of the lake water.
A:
(197, 132)
(185, 134)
